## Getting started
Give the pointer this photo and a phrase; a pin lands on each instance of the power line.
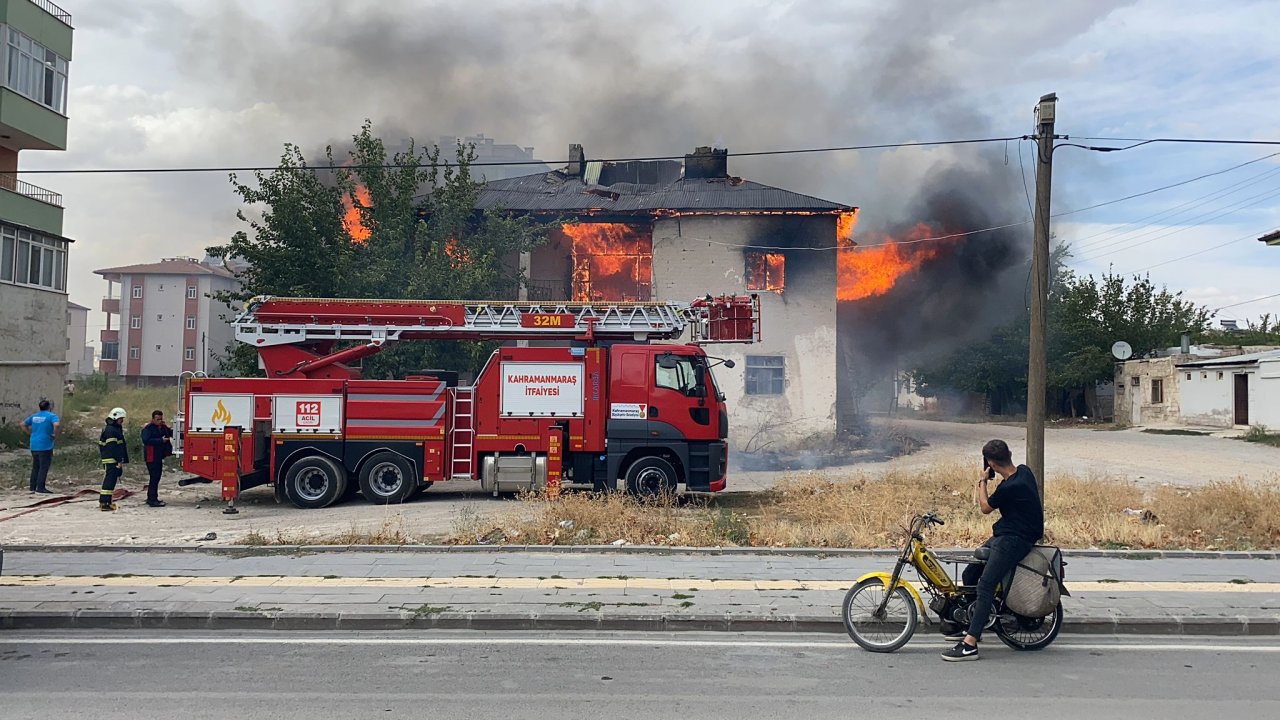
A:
(1198, 252)
(1167, 187)
(758, 153)
(1246, 302)
(1201, 219)
(1173, 211)
(654, 158)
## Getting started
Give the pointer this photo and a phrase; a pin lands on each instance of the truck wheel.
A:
(387, 479)
(650, 477)
(315, 482)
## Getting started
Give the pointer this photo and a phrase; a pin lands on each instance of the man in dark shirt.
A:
(1021, 525)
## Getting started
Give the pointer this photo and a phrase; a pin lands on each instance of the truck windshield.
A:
(676, 372)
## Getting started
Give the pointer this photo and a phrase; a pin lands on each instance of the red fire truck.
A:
(605, 405)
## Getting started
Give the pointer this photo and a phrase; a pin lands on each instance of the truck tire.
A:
(651, 476)
(315, 482)
(387, 479)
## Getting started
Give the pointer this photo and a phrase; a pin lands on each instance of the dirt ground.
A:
(196, 511)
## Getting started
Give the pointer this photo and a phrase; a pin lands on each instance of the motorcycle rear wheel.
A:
(1022, 633)
(883, 634)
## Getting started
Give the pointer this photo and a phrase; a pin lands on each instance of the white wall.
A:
(79, 357)
(1208, 396)
(1264, 395)
(798, 324)
(213, 322)
(163, 319)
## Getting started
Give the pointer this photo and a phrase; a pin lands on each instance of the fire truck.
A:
(580, 395)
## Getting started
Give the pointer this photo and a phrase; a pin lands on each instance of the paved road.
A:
(567, 676)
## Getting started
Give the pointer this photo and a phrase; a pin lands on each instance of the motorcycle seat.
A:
(982, 553)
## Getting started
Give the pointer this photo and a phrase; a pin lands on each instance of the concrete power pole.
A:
(1038, 360)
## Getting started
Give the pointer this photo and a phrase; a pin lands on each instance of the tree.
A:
(380, 225)
(1264, 332)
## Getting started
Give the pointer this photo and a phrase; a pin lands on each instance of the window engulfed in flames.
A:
(611, 261)
(766, 271)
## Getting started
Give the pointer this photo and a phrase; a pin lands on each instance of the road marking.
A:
(535, 583)
(603, 641)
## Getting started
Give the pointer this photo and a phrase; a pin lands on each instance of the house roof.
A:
(557, 191)
(1231, 360)
(75, 306)
(168, 266)
(1271, 238)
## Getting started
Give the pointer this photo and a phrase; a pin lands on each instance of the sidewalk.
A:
(258, 588)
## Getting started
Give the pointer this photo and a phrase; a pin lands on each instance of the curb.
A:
(329, 621)
(613, 550)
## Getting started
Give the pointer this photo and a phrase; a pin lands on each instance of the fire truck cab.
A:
(606, 409)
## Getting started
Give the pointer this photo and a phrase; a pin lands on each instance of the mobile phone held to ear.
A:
(991, 473)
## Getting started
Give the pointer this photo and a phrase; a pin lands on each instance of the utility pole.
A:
(1038, 359)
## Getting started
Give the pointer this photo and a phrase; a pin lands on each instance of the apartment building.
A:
(162, 319)
(33, 252)
(79, 353)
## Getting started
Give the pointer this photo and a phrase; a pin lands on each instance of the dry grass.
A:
(863, 511)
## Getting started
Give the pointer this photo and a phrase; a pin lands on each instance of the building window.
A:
(135, 352)
(1188, 376)
(110, 351)
(190, 354)
(765, 374)
(1135, 381)
(191, 292)
(765, 271)
(37, 72)
(137, 291)
(1157, 391)
(191, 322)
(1219, 374)
(28, 258)
(135, 322)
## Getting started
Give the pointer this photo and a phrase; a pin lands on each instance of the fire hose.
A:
(119, 494)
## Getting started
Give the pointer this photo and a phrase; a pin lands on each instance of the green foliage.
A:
(1086, 316)
(421, 238)
(1264, 332)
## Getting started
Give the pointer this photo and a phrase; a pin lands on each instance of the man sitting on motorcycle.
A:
(1021, 525)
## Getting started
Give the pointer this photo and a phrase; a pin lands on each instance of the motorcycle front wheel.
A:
(1022, 633)
(879, 633)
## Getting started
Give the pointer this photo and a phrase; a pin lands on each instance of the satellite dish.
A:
(1122, 351)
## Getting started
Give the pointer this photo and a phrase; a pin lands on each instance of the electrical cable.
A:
(1246, 302)
(1198, 252)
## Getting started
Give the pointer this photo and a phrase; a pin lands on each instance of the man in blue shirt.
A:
(43, 428)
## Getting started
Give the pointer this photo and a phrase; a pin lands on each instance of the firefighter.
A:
(114, 453)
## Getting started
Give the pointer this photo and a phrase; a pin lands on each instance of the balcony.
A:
(111, 305)
(54, 10)
(30, 205)
(108, 336)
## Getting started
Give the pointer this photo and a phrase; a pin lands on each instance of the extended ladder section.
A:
(301, 336)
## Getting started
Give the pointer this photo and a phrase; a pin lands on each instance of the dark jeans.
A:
(109, 483)
(153, 485)
(40, 462)
(1006, 552)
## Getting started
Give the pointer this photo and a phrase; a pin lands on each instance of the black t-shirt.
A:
(1021, 512)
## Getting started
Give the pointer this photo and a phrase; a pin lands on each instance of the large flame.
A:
(351, 218)
(611, 261)
(873, 270)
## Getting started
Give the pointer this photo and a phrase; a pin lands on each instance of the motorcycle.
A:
(880, 610)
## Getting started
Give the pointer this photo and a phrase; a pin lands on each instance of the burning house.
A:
(659, 230)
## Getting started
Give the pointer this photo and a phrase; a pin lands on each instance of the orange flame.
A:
(873, 270)
(352, 221)
(458, 255)
(766, 271)
(611, 261)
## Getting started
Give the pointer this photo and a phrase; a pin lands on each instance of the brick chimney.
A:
(577, 160)
(706, 162)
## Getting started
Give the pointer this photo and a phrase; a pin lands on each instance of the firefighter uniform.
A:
(114, 452)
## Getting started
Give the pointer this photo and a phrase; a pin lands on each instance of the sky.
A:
(191, 83)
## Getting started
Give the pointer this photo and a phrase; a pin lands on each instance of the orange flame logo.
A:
(221, 415)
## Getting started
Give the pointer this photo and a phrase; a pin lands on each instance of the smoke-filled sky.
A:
(164, 83)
